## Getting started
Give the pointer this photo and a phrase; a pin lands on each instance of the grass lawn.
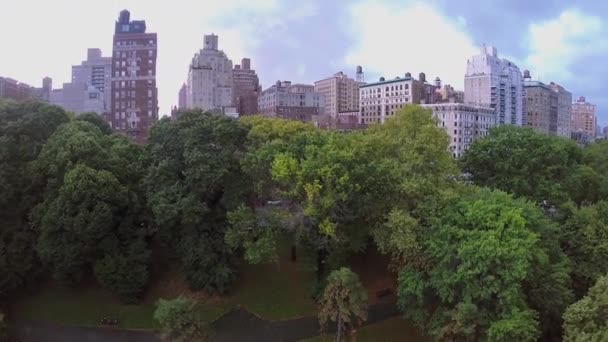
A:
(276, 292)
(392, 330)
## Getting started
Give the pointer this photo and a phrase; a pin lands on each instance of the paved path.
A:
(240, 325)
(236, 326)
(47, 332)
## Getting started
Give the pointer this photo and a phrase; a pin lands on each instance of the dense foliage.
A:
(193, 180)
(586, 320)
(494, 247)
(179, 321)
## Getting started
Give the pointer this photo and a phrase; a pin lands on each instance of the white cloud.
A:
(556, 45)
(413, 38)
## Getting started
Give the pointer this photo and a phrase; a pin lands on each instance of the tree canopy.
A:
(585, 320)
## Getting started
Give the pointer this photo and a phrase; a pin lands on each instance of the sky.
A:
(560, 41)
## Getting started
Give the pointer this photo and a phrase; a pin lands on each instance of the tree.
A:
(92, 215)
(523, 162)
(480, 280)
(24, 129)
(344, 301)
(411, 178)
(585, 320)
(97, 121)
(4, 335)
(584, 238)
(194, 180)
(179, 321)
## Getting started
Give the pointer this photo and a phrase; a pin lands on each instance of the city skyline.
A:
(303, 43)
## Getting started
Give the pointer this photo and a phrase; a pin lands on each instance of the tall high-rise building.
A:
(498, 83)
(90, 87)
(564, 111)
(584, 121)
(209, 84)
(294, 102)
(548, 108)
(134, 96)
(341, 94)
(182, 97)
(246, 88)
(96, 71)
(383, 99)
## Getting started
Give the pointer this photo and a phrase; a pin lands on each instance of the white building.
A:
(96, 71)
(293, 102)
(79, 98)
(497, 83)
(90, 88)
(210, 81)
(463, 122)
(380, 100)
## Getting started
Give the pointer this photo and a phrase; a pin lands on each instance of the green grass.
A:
(83, 307)
(276, 292)
(391, 330)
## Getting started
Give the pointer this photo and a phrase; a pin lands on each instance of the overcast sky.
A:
(303, 41)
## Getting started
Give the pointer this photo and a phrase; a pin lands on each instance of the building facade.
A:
(291, 101)
(19, 91)
(96, 71)
(463, 122)
(383, 99)
(584, 121)
(497, 83)
(447, 93)
(182, 97)
(209, 85)
(246, 88)
(548, 107)
(341, 94)
(564, 111)
(90, 86)
(134, 95)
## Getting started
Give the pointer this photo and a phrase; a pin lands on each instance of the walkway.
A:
(236, 326)
(240, 325)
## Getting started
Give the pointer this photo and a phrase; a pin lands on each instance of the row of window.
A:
(387, 89)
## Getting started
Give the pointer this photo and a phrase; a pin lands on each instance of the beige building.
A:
(341, 94)
(464, 123)
(548, 108)
(447, 93)
(583, 118)
(381, 100)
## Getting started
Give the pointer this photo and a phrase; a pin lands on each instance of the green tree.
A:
(92, 208)
(179, 321)
(585, 320)
(411, 177)
(344, 301)
(523, 162)
(97, 121)
(481, 279)
(584, 238)
(193, 181)
(24, 129)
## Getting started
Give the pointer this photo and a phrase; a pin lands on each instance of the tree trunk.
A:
(339, 328)
(294, 256)
(321, 256)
